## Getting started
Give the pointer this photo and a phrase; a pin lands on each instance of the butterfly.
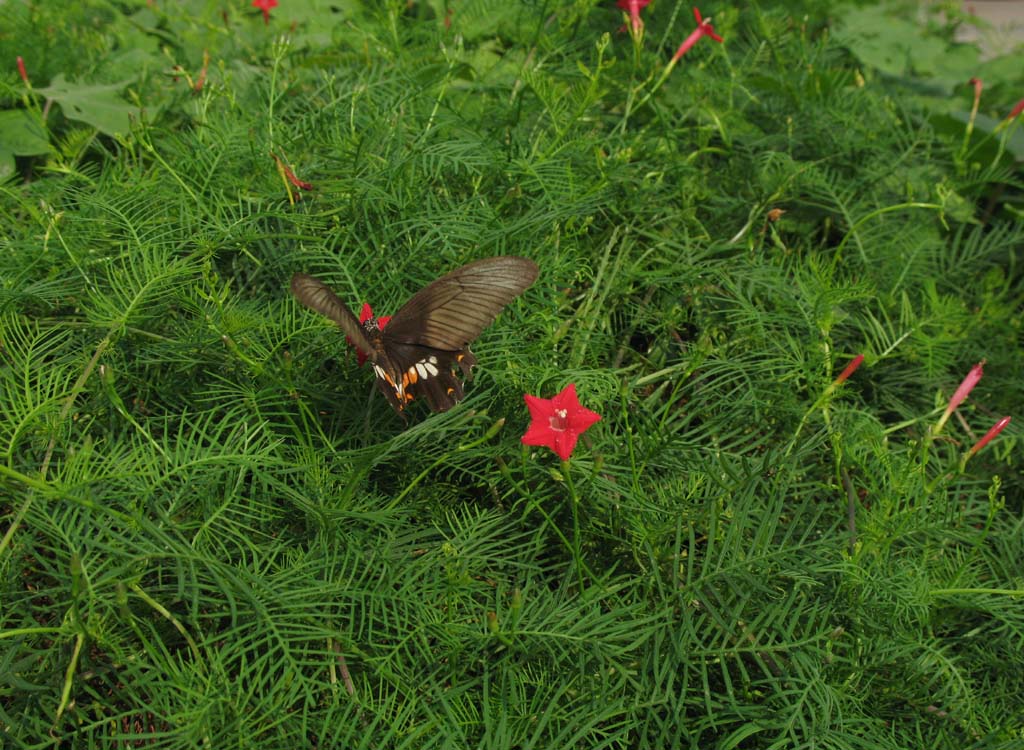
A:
(417, 353)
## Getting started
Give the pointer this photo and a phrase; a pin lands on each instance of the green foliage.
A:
(913, 50)
(216, 534)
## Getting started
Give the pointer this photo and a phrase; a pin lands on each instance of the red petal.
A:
(540, 408)
(539, 434)
(565, 443)
(566, 399)
(583, 420)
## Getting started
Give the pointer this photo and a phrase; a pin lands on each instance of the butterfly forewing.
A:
(317, 296)
(452, 312)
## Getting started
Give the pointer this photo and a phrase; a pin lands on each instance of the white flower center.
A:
(557, 422)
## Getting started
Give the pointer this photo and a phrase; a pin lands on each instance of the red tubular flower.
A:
(850, 369)
(265, 7)
(558, 422)
(704, 28)
(364, 315)
(965, 387)
(22, 72)
(996, 429)
(633, 7)
(976, 83)
(1017, 109)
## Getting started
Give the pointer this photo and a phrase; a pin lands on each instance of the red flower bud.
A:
(850, 369)
(965, 387)
(995, 430)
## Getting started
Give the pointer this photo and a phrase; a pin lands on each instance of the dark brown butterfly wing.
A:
(450, 313)
(406, 372)
(317, 296)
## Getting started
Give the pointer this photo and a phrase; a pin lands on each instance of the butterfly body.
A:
(417, 352)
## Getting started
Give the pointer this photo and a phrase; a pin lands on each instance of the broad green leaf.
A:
(99, 105)
(6, 164)
(900, 47)
(21, 134)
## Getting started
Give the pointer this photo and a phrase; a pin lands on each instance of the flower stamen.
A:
(558, 420)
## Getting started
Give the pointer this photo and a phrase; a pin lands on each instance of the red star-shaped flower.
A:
(704, 28)
(364, 315)
(558, 422)
(265, 7)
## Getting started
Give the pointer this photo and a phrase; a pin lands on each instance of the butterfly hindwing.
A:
(423, 372)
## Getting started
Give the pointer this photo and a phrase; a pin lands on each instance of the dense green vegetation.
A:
(215, 533)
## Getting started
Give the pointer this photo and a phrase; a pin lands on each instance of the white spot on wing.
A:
(422, 369)
(430, 366)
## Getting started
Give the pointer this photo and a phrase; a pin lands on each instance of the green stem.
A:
(532, 503)
(166, 614)
(575, 500)
(997, 592)
(69, 678)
